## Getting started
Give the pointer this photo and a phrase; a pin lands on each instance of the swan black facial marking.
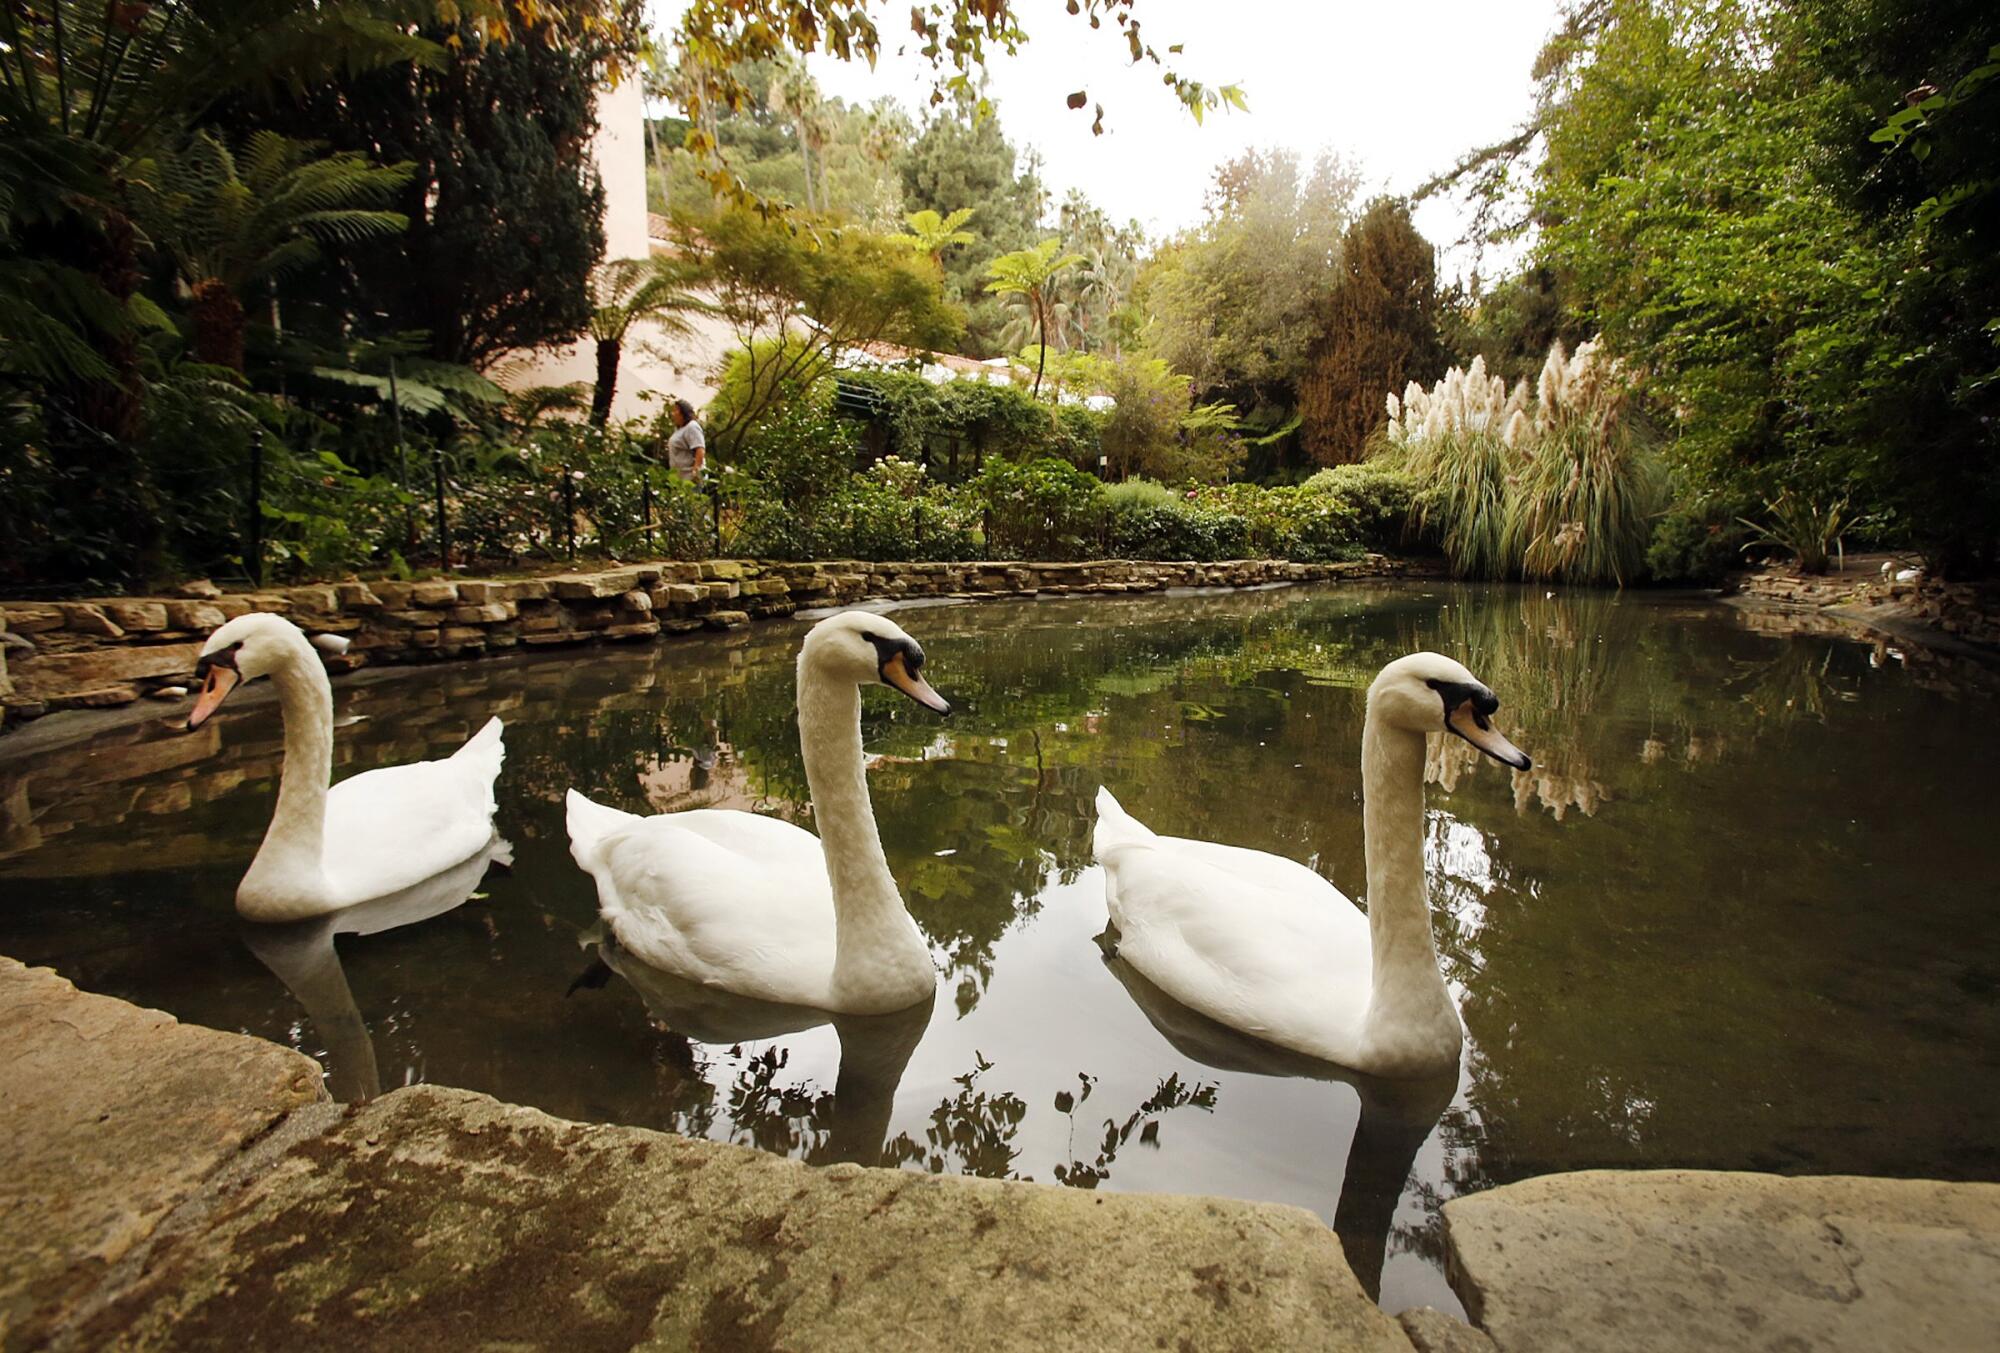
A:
(887, 648)
(224, 657)
(1456, 693)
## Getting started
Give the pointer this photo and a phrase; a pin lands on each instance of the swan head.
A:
(1428, 693)
(242, 650)
(865, 648)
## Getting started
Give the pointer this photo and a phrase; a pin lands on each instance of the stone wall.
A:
(1967, 612)
(112, 651)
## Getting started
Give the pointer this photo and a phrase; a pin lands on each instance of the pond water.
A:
(1739, 916)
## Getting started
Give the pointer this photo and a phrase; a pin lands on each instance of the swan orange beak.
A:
(218, 681)
(896, 672)
(1470, 724)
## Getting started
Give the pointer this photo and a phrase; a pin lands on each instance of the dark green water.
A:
(1741, 915)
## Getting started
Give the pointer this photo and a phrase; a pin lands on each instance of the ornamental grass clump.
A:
(1452, 440)
(1583, 504)
(1549, 485)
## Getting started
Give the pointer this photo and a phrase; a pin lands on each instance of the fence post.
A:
(253, 564)
(444, 523)
(569, 511)
(646, 507)
(402, 462)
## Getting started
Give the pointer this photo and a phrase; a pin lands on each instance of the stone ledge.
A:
(1700, 1260)
(113, 1117)
(162, 1193)
(442, 1217)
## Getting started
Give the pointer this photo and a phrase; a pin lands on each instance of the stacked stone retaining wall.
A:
(112, 651)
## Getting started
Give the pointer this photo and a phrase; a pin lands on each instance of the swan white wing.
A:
(723, 898)
(1255, 941)
(389, 828)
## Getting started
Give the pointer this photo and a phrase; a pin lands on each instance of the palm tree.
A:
(795, 95)
(630, 290)
(1027, 273)
(933, 234)
(231, 219)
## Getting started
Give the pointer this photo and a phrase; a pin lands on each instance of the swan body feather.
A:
(755, 906)
(1267, 947)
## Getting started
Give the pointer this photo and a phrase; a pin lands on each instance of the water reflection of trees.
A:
(1637, 986)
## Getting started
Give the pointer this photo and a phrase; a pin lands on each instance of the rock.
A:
(86, 617)
(526, 589)
(635, 600)
(137, 615)
(113, 1116)
(678, 572)
(490, 613)
(168, 693)
(729, 570)
(422, 1216)
(26, 618)
(720, 591)
(590, 586)
(479, 593)
(456, 636)
(433, 594)
(319, 600)
(48, 674)
(356, 596)
(201, 589)
(1432, 1331)
(195, 615)
(1699, 1260)
(725, 620)
(638, 629)
(681, 594)
(423, 639)
(102, 697)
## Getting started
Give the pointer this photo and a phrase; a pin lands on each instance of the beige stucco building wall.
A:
(653, 362)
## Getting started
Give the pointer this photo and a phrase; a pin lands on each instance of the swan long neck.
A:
(868, 911)
(295, 840)
(1408, 991)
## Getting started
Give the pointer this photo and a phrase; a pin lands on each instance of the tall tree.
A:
(631, 291)
(764, 275)
(1379, 330)
(958, 163)
(931, 234)
(1028, 274)
(1231, 304)
(505, 207)
(234, 218)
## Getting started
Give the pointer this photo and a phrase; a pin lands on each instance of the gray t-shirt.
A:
(687, 440)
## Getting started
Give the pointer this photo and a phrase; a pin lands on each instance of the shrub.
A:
(1289, 522)
(1383, 501)
(1696, 544)
(1040, 509)
(1174, 529)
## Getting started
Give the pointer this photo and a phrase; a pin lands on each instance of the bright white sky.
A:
(1404, 88)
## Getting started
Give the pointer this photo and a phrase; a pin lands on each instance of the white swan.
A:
(757, 906)
(370, 835)
(1266, 946)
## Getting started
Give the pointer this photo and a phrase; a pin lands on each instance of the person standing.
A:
(687, 448)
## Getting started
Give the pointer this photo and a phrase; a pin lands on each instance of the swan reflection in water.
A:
(1396, 1117)
(875, 1050)
(302, 955)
